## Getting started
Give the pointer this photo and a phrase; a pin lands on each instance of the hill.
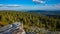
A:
(44, 12)
(29, 20)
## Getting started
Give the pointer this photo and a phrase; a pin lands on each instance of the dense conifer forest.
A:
(29, 20)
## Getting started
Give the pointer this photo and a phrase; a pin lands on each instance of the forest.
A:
(29, 20)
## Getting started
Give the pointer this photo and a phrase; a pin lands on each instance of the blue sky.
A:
(29, 4)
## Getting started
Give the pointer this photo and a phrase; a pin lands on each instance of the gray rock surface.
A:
(15, 28)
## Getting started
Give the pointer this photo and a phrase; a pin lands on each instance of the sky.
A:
(29, 4)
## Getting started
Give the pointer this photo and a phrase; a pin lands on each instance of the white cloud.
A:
(38, 1)
(36, 7)
(1, 5)
(49, 7)
(10, 5)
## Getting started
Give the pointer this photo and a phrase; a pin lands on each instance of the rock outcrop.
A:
(15, 28)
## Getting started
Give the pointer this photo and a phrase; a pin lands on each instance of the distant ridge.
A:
(57, 12)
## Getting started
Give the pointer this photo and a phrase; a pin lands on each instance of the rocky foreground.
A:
(37, 30)
(15, 28)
